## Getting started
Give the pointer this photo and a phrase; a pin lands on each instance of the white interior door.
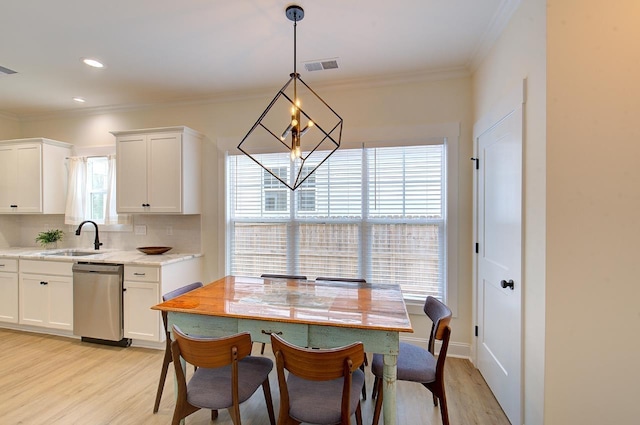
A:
(499, 262)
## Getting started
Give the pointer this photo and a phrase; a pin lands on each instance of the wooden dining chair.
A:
(322, 386)
(226, 375)
(279, 276)
(416, 364)
(167, 350)
(359, 282)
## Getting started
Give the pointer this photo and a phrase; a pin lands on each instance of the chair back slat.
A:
(440, 315)
(341, 279)
(318, 365)
(181, 291)
(212, 352)
(283, 276)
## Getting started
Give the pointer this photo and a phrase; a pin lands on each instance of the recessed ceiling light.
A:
(79, 99)
(92, 62)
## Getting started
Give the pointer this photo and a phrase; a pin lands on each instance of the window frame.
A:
(101, 151)
(405, 135)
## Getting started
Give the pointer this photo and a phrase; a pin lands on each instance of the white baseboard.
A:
(69, 334)
(38, 330)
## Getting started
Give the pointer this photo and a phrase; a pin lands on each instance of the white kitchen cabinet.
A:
(144, 286)
(33, 176)
(159, 171)
(46, 294)
(141, 291)
(8, 290)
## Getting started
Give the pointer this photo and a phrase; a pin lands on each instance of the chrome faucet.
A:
(96, 242)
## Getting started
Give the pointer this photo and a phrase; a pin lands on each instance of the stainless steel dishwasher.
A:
(97, 303)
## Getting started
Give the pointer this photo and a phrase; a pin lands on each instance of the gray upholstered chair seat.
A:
(304, 407)
(414, 364)
(211, 388)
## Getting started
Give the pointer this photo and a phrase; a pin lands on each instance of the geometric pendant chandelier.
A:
(298, 122)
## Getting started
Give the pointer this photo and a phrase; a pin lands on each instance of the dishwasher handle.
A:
(102, 268)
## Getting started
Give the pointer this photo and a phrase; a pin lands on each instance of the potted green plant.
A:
(49, 239)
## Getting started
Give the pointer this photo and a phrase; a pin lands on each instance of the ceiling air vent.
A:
(321, 65)
(6, 71)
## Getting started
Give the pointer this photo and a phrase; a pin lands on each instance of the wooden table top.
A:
(368, 306)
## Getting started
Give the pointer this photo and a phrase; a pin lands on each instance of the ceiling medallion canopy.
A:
(298, 122)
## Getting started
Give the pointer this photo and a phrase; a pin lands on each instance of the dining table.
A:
(319, 314)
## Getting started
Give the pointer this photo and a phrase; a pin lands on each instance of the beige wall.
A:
(9, 128)
(398, 105)
(593, 210)
(520, 54)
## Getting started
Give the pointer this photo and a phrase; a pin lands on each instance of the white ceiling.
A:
(159, 51)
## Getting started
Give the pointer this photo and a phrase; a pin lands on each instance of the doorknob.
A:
(507, 284)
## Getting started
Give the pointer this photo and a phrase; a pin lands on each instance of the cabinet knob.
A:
(44, 283)
(13, 206)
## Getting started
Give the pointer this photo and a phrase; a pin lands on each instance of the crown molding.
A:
(9, 116)
(498, 23)
(346, 84)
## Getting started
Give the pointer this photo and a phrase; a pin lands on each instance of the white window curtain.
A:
(110, 215)
(78, 206)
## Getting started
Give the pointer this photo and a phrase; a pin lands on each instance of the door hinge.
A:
(476, 331)
(477, 160)
(477, 247)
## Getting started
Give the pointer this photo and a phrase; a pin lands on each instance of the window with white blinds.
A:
(376, 213)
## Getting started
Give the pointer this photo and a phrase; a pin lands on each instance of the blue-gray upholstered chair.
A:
(416, 364)
(322, 386)
(167, 351)
(226, 375)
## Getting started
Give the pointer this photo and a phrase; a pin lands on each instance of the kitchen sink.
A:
(70, 253)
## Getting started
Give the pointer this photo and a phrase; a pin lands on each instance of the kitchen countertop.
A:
(102, 256)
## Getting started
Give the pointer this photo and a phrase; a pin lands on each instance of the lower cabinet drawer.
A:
(58, 268)
(142, 273)
(8, 265)
(297, 334)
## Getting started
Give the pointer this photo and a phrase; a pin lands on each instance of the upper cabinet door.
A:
(165, 173)
(131, 186)
(29, 194)
(8, 177)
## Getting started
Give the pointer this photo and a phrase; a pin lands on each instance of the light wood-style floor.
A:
(54, 380)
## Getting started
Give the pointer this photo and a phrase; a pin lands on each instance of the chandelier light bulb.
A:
(304, 130)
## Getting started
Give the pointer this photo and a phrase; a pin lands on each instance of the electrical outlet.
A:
(169, 230)
(140, 229)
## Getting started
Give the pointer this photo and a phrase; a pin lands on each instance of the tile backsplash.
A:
(182, 232)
